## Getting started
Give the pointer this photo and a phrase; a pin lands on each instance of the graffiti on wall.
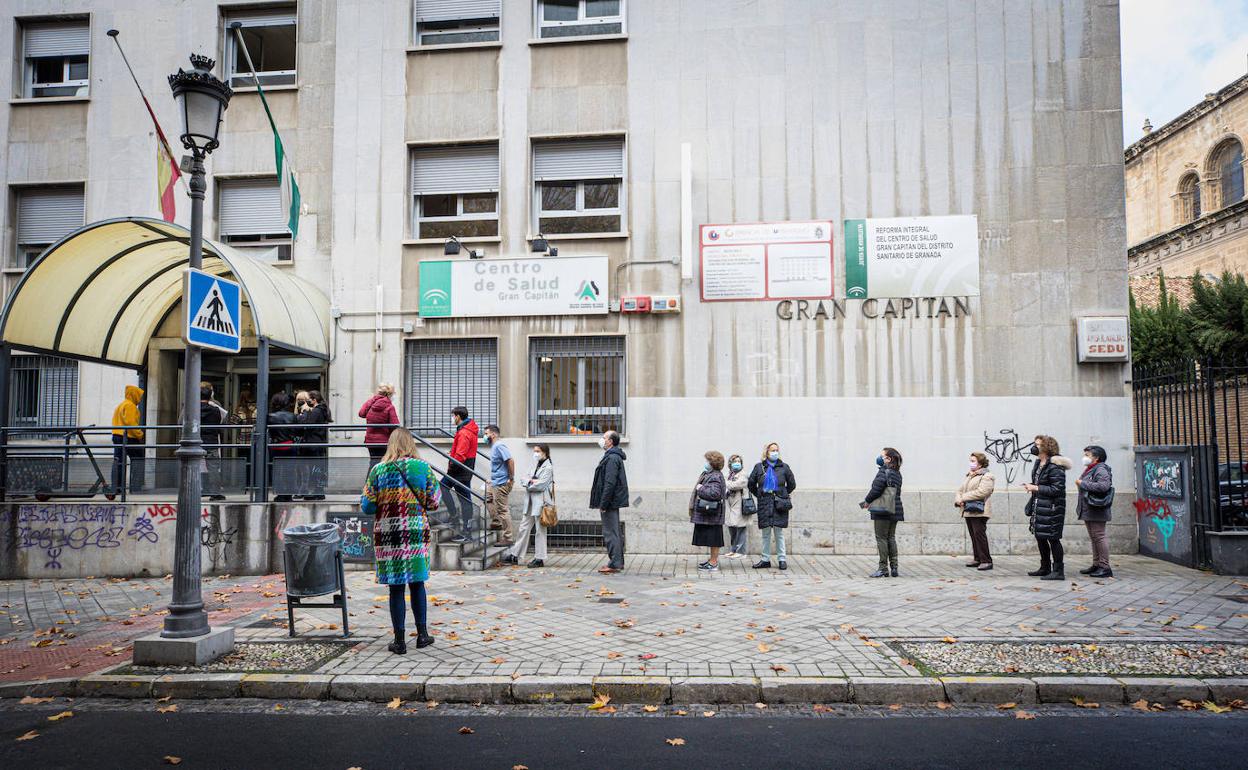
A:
(1163, 477)
(54, 527)
(1006, 450)
(1157, 523)
(357, 536)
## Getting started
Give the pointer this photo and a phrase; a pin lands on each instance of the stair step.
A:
(477, 563)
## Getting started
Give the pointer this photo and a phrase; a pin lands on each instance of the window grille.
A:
(443, 374)
(577, 385)
(43, 392)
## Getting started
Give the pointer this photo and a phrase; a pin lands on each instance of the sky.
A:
(1176, 51)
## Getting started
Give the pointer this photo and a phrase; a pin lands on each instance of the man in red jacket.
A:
(458, 477)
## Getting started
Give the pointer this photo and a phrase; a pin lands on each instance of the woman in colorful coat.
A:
(400, 492)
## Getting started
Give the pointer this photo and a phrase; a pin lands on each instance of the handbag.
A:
(886, 503)
(973, 506)
(1103, 500)
(749, 506)
(550, 512)
(707, 506)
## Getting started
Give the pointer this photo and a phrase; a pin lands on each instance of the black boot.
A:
(1088, 570)
(398, 646)
(879, 573)
(762, 564)
(423, 639)
(1045, 569)
(895, 572)
(1057, 574)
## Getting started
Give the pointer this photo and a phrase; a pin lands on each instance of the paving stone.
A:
(553, 689)
(1093, 689)
(714, 689)
(197, 686)
(43, 688)
(377, 688)
(285, 686)
(468, 689)
(889, 690)
(804, 689)
(115, 686)
(1224, 690)
(634, 689)
(989, 689)
(1163, 689)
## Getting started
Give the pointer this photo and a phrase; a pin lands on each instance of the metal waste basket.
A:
(313, 558)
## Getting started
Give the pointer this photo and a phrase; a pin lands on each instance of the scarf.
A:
(770, 482)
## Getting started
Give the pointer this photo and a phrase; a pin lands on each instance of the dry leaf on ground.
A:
(760, 705)
(1007, 706)
(676, 741)
(28, 735)
(763, 647)
(500, 660)
(168, 709)
(63, 714)
(30, 700)
(1084, 704)
(649, 709)
(778, 667)
(1188, 705)
(949, 640)
(1210, 706)
(466, 730)
(681, 712)
(172, 760)
(600, 701)
(1020, 714)
(712, 713)
(394, 704)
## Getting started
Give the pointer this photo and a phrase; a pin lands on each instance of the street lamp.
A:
(201, 100)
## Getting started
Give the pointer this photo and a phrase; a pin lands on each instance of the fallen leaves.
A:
(66, 714)
(764, 647)
(1084, 704)
(649, 709)
(28, 735)
(394, 704)
(600, 701)
(712, 713)
(500, 660)
(465, 730)
(778, 668)
(30, 700)
(675, 741)
(944, 705)
(949, 640)
(1007, 706)
(167, 709)
(1215, 708)
(1020, 714)
(172, 760)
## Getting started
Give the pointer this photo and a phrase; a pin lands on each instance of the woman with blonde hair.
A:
(772, 483)
(400, 492)
(380, 415)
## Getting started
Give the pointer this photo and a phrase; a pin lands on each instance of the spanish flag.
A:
(167, 171)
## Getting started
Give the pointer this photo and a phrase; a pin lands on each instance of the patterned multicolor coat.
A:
(401, 529)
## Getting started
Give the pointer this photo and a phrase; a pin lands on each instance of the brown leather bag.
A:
(550, 512)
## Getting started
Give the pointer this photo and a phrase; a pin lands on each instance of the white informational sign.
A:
(539, 285)
(912, 257)
(1104, 339)
(778, 260)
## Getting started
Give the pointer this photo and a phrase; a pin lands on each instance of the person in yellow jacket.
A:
(128, 440)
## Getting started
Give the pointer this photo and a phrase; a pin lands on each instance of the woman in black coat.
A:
(1047, 506)
(708, 518)
(281, 448)
(315, 472)
(885, 521)
(772, 483)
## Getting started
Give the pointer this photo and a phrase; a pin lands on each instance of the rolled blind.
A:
(578, 159)
(47, 215)
(455, 169)
(66, 38)
(250, 207)
(443, 374)
(453, 10)
(262, 16)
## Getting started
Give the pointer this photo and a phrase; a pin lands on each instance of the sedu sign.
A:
(466, 288)
(212, 307)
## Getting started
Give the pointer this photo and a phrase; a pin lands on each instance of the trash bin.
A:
(311, 559)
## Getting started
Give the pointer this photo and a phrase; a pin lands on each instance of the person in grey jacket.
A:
(609, 494)
(1096, 481)
(735, 516)
(539, 491)
(708, 516)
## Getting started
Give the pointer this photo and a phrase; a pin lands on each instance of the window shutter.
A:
(453, 10)
(262, 16)
(49, 214)
(578, 159)
(455, 169)
(250, 207)
(57, 39)
(443, 374)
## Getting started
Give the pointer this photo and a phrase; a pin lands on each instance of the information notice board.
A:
(766, 261)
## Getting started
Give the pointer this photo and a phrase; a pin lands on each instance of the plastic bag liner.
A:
(311, 569)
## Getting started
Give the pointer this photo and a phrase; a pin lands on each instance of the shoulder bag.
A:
(886, 503)
(749, 506)
(550, 512)
(1102, 500)
(707, 506)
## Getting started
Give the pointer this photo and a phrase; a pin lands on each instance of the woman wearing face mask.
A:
(1047, 507)
(772, 483)
(1096, 500)
(706, 509)
(885, 517)
(972, 500)
(735, 515)
(539, 490)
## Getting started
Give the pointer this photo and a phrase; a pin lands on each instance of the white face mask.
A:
(602, 442)
(537, 456)
(974, 465)
(1087, 460)
(773, 456)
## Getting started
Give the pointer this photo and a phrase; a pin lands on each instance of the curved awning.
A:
(101, 292)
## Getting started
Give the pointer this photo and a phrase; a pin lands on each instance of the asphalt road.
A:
(141, 739)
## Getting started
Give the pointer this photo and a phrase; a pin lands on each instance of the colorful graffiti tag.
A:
(1163, 477)
(53, 527)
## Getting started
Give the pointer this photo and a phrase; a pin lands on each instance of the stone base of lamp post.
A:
(156, 650)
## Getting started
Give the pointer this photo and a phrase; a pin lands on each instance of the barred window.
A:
(576, 385)
(43, 392)
(443, 374)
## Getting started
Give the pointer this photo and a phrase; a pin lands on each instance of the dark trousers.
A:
(210, 479)
(1050, 553)
(458, 482)
(612, 538)
(375, 453)
(977, 526)
(886, 542)
(132, 449)
(398, 608)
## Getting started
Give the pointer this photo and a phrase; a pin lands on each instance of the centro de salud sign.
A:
(468, 288)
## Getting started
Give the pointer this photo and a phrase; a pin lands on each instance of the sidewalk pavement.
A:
(662, 631)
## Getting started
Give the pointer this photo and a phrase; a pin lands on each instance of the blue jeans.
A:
(398, 609)
(776, 534)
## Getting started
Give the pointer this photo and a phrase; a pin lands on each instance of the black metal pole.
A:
(186, 612)
(6, 364)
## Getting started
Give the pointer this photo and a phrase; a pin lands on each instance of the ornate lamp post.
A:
(202, 100)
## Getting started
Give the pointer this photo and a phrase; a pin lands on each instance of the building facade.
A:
(616, 130)
(1186, 210)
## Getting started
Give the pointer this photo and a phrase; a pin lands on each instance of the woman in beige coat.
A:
(973, 500)
(737, 521)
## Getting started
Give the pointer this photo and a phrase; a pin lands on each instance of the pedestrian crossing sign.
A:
(213, 309)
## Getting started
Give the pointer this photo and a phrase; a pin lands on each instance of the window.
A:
(44, 392)
(575, 18)
(270, 37)
(250, 215)
(1188, 201)
(443, 374)
(1228, 164)
(578, 186)
(455, 191)
(576, 385)
(55, 58)
(44, 216)
(446, 22)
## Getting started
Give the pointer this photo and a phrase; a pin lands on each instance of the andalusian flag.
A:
(285, 171)
(167, 171)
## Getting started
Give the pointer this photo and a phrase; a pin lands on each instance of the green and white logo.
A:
(588, 291)
(855, 258)
(435, 289)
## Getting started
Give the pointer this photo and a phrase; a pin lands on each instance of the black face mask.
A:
(1035, 450)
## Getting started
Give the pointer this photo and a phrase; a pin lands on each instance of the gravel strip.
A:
(252, 657)
(1121, 658)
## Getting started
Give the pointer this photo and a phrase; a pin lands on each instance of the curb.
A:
(652, 690)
